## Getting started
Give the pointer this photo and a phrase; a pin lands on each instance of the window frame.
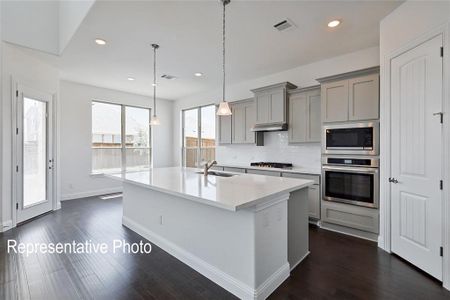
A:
(123, 147)
(199, 129)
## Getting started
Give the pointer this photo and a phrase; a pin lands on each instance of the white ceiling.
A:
(189, 34)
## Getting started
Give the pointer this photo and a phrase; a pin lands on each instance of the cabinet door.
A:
(238, 121)
(298, 108)
(335, 101)
(263, 172)
(364, 97)
(250, 120)
(276, 107)
(314, 201)
(224, 129)
(262, 108)
(314, 117)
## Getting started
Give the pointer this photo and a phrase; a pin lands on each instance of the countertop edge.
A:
(247, 205)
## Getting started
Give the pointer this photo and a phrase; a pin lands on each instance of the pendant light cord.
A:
(223, 50)
(154, 80)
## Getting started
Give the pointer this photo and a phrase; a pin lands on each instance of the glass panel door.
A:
(191, 138)
(33, 156)
(208, 133)
(34, 152)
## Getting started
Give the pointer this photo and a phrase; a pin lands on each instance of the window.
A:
(120, 138)
(199, 135)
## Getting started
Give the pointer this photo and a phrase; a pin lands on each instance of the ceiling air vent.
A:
(284, 25)
(166, 76)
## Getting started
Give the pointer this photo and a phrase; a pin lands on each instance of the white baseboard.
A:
(272, 283)
(91, 193)
(299, 261)
(231, 284)
(7, 225)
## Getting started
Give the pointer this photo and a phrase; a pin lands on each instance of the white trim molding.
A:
(228, 282)
(91, 193)
(6, 226)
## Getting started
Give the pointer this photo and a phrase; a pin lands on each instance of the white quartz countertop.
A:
(298, 170)
(231, 193)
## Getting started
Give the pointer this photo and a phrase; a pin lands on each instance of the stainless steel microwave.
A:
(351, 138)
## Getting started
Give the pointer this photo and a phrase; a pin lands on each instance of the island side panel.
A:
(298, 227)
(206, 235)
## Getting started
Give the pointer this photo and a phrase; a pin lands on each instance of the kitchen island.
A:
(244, 232)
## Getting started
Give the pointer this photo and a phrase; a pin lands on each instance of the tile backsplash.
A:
(276, 149)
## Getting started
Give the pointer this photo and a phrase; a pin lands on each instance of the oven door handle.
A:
(351, 169)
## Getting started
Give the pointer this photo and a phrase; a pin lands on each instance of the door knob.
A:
(393, 180)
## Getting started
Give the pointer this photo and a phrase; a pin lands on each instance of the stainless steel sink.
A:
(214, 173)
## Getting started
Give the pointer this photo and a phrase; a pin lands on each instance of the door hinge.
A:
(17, 93)
(442, 51)
(17, 205)
(441, 184)
(17, 168)
(442, 251)
(17, 131)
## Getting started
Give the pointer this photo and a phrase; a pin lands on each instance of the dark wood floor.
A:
(339, 267)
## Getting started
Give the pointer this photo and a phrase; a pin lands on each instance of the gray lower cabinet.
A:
(362, 218)
(304, 115)
(263, 172)
(235, 170)
(313, 193)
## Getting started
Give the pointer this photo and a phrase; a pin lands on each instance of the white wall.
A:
(34, 73)
(43, 25)
(71, 14)
(403, 26)
(276, 147)
(32, 24)
(76, 98)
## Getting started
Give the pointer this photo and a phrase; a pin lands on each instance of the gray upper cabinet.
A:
(363, 97)
(335, 101)
(271, 104)
(352, 96)
(304, 115)
(243, 119)
(223, 130)
(236, 129)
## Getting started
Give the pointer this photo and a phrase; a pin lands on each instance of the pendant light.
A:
(154, 119)
(224, 108)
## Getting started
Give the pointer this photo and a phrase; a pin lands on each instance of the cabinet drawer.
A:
(263, 172)
(315, 178)
(236, 170)
(352, 216)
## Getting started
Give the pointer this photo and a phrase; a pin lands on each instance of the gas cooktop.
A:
(271, 165)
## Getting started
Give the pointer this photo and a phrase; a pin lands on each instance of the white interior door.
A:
(34, 167)
(416, 156)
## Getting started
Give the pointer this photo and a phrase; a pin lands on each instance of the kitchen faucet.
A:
(208, 166)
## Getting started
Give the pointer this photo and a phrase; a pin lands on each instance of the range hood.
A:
(272, 107)
(270, 127)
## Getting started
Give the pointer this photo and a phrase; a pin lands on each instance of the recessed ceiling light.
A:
(334, 23)
(130, 78)
(198, 74)
(100, 42)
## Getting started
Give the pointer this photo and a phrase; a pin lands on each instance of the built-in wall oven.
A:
(352, 180)
(351, 139)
